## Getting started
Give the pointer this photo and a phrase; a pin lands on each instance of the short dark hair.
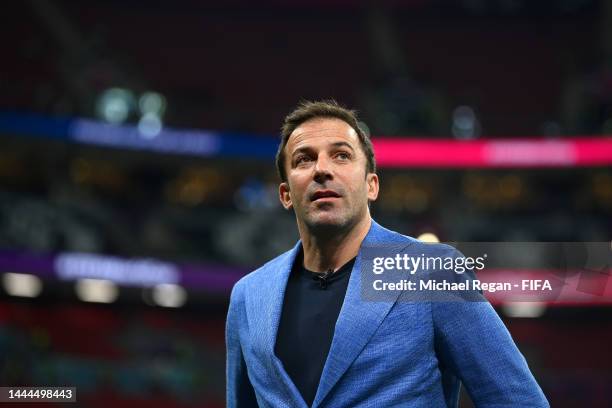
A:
(308, 110)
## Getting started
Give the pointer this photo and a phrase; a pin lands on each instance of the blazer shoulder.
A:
(263, 274)
(428, 248)
(415, 247)
(394, 238)
(384, 236)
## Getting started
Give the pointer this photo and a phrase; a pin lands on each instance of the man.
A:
(299, 332)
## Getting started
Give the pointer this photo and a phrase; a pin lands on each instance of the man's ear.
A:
(372, 180)
(284, 196)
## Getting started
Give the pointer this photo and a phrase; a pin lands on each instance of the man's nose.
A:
(322, 169)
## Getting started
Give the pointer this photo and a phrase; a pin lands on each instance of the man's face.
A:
(327, 185)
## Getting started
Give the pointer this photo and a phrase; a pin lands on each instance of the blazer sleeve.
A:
(474, 343)
(239, 390)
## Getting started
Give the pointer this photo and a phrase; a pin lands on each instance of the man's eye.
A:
(343, 156)
(302, 159)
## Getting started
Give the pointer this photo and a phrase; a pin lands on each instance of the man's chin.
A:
(329, 222)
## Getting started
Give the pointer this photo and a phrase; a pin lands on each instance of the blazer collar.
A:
(358, 319)
(357, 322)
(264, 307)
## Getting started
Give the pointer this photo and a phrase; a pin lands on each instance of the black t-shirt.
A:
(310, 310)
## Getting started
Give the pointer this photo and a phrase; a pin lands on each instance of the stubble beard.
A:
(338, 224)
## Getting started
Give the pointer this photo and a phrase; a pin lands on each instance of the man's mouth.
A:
(323, 194)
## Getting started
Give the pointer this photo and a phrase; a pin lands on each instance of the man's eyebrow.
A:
(306, 149)
(339, 144)
(301, 150)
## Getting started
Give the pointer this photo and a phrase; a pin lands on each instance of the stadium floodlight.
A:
(96, 290)
(428, 237)
(22, 284)
(169, 295)
(524, 309)
(149, 125)
(152, 102)
(114, 105)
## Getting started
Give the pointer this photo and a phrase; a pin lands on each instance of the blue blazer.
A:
(383, 354)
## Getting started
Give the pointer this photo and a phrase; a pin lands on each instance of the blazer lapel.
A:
(357, 322)
(266, 304)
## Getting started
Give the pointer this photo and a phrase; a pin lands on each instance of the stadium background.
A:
(139, 136)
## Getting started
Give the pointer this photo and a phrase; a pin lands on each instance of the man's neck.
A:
(326, 251)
